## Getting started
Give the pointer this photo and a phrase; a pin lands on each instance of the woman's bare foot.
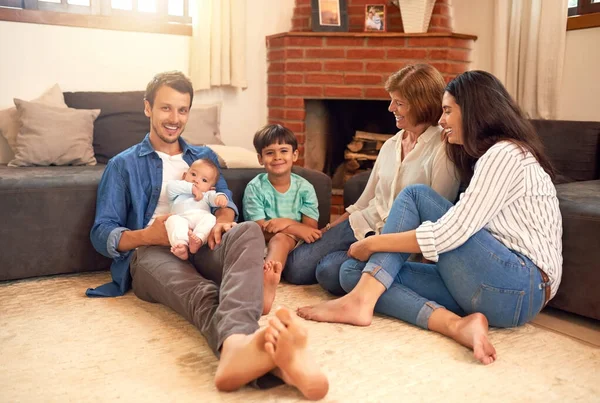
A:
(271, 277)
(349, 309)
(243, 359)
(472, 331)
(195, 242)
(180, 250)
(286, 343)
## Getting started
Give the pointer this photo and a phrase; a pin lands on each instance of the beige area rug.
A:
(56, 345)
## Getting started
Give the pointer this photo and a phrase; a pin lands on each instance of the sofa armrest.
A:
(354, 187)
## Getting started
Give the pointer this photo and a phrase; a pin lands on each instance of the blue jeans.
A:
(482, 275)
(320, 261)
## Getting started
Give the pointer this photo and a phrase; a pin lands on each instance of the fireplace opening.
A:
(331, 126)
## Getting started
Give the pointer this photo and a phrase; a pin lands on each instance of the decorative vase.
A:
(416, 14)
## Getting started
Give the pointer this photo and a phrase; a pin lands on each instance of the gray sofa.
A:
(47, 212)
(574, 148)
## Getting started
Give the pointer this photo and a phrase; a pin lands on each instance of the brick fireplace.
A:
(353, 65)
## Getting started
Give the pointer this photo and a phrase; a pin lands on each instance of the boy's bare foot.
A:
(271, 277)
(195, 242)
(286, 341)
(472, 331)
(349, 309)
(180, 250)
(243, 359)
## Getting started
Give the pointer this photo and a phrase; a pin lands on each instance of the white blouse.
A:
(427, 164)
(513, 198)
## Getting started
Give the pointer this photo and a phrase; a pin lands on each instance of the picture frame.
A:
(375, 18)
(329, 15)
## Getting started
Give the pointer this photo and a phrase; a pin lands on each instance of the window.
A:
(580, 7)
(583, 14)
(167, 16)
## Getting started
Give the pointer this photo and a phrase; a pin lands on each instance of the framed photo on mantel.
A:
(329, 15)
(375, 18)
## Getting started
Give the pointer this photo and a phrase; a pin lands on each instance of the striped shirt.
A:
(263, 202)
(513, 198)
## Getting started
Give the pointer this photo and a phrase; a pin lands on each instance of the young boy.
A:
(284, 204)
(191, 200)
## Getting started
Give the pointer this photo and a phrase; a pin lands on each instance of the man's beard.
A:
(168, 140)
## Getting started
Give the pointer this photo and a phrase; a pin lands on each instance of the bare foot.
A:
(195, 242)
(243, 359)
(181, 251)
(347, 309)
(286, 341)
(472, 331)
(271, 277)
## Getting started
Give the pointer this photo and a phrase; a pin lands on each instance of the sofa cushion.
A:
(54, 136)
(47, 214)
(203, 125)
(9, 118)
(121, 123)
(580, 210)
(573, 148)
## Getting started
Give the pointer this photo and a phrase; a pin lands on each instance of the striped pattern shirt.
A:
(513, 198)
(263, 202)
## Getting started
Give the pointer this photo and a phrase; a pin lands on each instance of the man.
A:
(220, 289)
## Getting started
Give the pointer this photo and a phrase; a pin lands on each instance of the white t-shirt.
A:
(173, 168)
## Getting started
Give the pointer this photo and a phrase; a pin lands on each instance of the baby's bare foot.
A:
(180, 250)
(195, 242)
(271, 277)
(286, 342)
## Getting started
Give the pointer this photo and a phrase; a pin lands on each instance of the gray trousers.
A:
(221, 293)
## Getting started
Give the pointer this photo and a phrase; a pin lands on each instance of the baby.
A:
(191, 201)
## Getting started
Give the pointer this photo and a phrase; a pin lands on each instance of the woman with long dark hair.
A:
(497, 252)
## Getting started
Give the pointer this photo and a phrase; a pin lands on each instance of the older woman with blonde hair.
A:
(416, 154)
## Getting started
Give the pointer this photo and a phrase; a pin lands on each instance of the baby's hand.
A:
(198, 195)
(221, 201)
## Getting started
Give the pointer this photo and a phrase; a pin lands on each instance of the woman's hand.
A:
(361, 250)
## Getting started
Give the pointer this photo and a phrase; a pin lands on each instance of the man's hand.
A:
(361, 250)
(156, 233)
(198, 195)
(221, 201)
(216, 233)
(304, 232)
(276, 225)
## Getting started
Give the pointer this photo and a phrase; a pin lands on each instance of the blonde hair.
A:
(423, 88)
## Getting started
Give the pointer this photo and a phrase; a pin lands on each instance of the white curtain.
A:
(218, 45)
(529, 50)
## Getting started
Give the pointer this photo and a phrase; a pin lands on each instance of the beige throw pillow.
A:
(54, 136)
(203, 125)
(235, 157)
(9, 118)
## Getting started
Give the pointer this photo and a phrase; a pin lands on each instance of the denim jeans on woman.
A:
(482, 275)
(320, 261)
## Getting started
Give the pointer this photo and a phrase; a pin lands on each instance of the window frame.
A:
(585, 15)
(99, 14)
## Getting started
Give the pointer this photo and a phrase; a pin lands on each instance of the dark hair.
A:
(489, 115)
(423, 87)
(210, 163)
(274, 134)
(174, 79)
